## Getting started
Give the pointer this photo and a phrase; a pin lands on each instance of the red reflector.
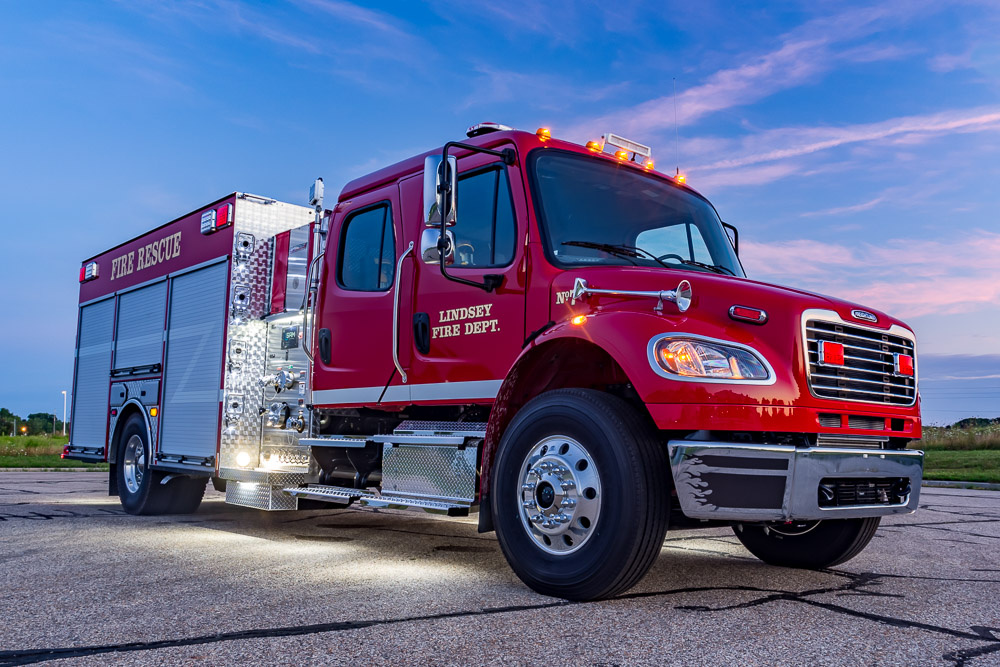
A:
(83, 273)
(831, 354)
(904, 364)
(114, 412)
(748, 314)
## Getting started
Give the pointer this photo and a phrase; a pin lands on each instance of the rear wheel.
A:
(142, 489)
(808, 544)
(579, 495)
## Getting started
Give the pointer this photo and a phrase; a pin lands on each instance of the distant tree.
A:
(973, 422)
(8, 421)
(41, 423)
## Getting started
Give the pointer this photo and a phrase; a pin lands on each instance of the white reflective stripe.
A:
(437, 391)
(440, 391)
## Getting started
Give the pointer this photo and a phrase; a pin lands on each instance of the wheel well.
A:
(559, 364)
(126, 413)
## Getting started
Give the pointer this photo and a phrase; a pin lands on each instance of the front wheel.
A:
(808, 544)
(580, 495)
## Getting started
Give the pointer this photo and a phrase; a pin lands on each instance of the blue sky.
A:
(857, 146)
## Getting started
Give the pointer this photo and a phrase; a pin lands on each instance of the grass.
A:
(964, 465)
(969, 454)
(38, 451)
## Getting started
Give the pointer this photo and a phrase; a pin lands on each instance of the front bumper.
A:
(736, 482)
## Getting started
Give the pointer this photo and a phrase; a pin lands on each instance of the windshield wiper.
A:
(611, 249)
(630, 251)
(715, 268)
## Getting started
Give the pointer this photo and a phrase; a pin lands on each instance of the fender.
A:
(117, 423)
(590, 354)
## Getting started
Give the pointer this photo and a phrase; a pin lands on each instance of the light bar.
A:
(88, 272)
(627, 144)
(484, 128)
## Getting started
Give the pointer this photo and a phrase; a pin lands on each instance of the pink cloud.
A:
(902, 276)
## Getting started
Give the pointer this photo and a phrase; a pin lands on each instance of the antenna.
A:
(677, 143)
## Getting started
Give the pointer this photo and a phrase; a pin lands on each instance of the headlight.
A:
(690, 357)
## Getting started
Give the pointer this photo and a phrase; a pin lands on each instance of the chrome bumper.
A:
(730, 481)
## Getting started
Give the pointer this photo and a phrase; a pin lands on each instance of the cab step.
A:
(343, 495)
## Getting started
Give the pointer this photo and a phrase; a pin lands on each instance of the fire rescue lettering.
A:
(150, 254)
(464, 328)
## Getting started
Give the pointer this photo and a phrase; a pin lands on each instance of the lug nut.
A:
(568, 502)
(530, 486)
(568, 484)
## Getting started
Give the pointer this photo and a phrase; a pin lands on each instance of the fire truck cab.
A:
(555, 336)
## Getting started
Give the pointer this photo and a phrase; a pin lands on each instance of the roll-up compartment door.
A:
(93, 373)
(191, 380)
(139, 339)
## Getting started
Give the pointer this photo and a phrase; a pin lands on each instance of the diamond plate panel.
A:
(259, 496)
(445, 473)
(257, 220)
(265, 477)
(442, 428)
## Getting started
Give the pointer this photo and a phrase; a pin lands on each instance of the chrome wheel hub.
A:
(134, 463)
(560, 494)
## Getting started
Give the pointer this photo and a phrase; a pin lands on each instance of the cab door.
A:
(354, 325)
(464, 338)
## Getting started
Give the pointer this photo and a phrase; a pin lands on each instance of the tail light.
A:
(88, 272)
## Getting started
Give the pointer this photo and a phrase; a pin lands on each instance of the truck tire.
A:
(808, 544)
(186, 494)
(580, 496)
(139, 487)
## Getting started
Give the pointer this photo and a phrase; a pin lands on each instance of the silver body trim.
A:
(697, 481)
(436, 391)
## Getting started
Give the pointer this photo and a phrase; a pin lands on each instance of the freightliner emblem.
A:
(864, 315)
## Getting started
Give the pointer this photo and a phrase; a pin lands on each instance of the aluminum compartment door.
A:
(139, 340)
(190, 410)
(93, 372)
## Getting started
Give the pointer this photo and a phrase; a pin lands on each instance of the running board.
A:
(343, 495)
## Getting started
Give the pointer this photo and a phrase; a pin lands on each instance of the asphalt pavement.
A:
(84, 583)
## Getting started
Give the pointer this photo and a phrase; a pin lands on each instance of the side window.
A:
(367, 250)
(484, 235)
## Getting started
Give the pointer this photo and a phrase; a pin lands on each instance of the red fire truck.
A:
(555, 336)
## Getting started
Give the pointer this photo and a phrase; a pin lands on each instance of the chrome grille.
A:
(867, 374)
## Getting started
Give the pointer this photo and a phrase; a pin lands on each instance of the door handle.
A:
(422, 332)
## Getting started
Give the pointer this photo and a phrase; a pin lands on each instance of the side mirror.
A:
(734, 238)
(438, 199)
(430, 253)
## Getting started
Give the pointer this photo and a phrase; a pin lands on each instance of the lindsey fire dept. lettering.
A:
(149, 255)
(463, 327)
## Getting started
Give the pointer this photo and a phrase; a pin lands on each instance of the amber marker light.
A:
(621, 154)
(649, 164)
(153, 412)
(579, 319)
(680, 178)
(543, 133)
(594, 146)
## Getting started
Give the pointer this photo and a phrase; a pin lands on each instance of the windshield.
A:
(599, 213)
